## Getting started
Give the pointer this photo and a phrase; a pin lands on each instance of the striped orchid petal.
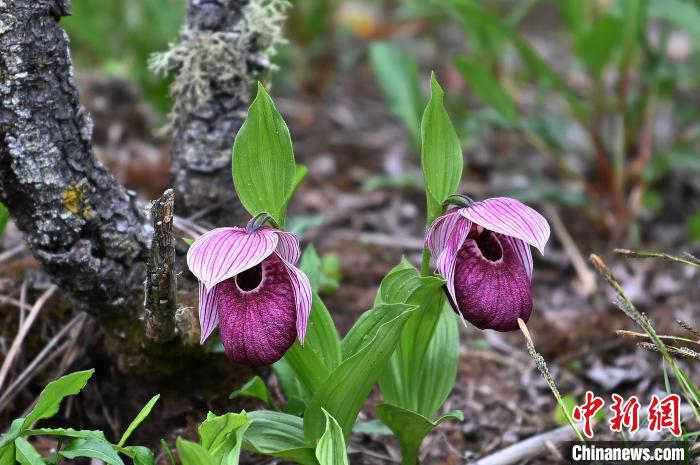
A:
(523, 252)
(511, 218)
(302, 295)
(439, 232)
(208, 313)
(288, 247)
(222, 253)
(447, 259)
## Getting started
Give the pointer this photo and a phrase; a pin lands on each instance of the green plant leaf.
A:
(14, 432)
(91, 448)
(486, 86)
(257, 389)
(215, 432)
(140, 455)
(692, 225)
(192, 453)
(26, 454)
(277, 434)
(291, 386)
(321, 351)
(52, 395)
(574, 14)
(411, 428)
(423, 368)
(67, 432)
(344, 392)
(145, 411)
(368, 325)
(685, 15)
(233, 455)
(310, 264)
(7, 454)
(371, 427)
(4, 218)
(441, 152)
(331, 449)
(397, 75)
(595, 47)
(263, 160)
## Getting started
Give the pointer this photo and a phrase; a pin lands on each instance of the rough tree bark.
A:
(83, 227)
(87, 231)
(203, 138)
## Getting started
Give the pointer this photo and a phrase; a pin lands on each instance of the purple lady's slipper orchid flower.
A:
(483, 251)
(249, 286)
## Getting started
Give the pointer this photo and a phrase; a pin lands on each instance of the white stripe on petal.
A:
(302, 296)
(224, 252)
(208, 313)
(440, 231)
(524, 253)
(288, 247)
(447, 259)
(511, 218)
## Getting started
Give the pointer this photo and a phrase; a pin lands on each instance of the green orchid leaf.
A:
(441, 152)
(398, 78)
(346, 388)
(91, 448)
(66, 432)
(596, 47)
(26, 454)
(7, 454)
(15, 431)
(411, 428)
(145, 411)
(263, 166)
(215, 432)
(423, 368)
(331, 449)
(277, 434)
(4, 218)
(140, 455)
(257, 389)
(192, 453)
(52, 395)
(291, 387)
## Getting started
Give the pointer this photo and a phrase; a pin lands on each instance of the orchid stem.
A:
(425, 264)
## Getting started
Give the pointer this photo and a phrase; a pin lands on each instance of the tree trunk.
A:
(203, 136)
(84, 228)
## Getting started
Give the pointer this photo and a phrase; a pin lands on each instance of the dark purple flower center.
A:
(250, 279)
(489, 246)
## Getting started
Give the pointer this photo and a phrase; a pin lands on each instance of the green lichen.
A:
(204, 61)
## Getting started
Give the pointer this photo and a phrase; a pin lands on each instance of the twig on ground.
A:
(8, 254)
(22, 332)
(579, 263)
(527, 449)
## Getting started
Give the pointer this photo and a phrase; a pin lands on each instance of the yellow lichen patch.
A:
(76, 201)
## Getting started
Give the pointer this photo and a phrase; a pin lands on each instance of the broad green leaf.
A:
(371, 427)
(140, 455)
(67, 432)
(685, 15)
(486, 86)
(595, 47)
(441, 152)
(300, 173)
(52, 395)
(91, 448)
(411, 428)
(575, 14)
(368, 325)
(233, 455)
(398, 77)
(263, 160)
(4, 218)
(26, 454)
(423, 368)
(14, 432)
(280, 435)
(310, 264)
(291, 386)
(192, 453)
(145, 411)
(347, 387)
(7, 454)
(215, 432)
(307, 366)
(331, 449)
(257, 389)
